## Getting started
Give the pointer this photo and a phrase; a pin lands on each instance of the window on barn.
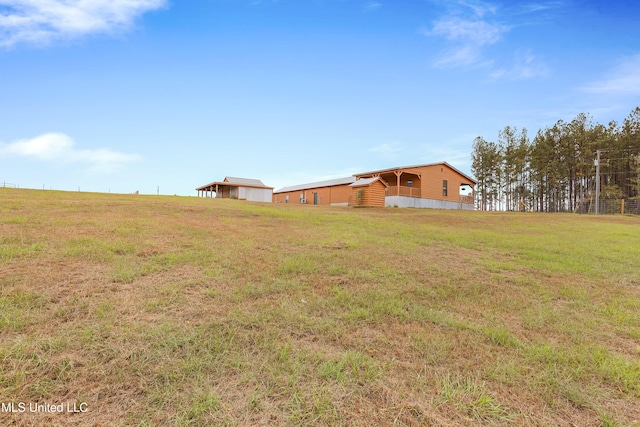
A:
(409, 183)
(444, 187)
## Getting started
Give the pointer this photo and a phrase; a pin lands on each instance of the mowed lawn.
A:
(154, 310)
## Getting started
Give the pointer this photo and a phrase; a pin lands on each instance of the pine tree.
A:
(555, 171)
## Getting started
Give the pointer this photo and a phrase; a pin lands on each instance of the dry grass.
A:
(196, 312)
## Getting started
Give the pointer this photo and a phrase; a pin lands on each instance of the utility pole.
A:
(597, 182)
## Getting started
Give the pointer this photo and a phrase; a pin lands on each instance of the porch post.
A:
(398, 173)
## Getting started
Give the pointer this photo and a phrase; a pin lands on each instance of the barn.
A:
(252, 190)
(334, 192)
(432, 185)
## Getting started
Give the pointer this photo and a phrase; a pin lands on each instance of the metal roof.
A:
(362, 182)
(244, 181)
(328, 183)
(419, 166)
(232, 182)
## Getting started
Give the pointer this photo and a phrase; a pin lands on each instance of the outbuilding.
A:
(369, 192)
(252, 190)
(432, 185)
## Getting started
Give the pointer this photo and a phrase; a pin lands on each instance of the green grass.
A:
(470, 396)
(196, 312)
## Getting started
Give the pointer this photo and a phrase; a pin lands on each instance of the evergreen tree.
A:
(555, 171)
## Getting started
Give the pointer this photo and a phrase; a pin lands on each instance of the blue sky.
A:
(132, 95)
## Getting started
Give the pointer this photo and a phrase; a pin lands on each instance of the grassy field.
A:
(153, 310)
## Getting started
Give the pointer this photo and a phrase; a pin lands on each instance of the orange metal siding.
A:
(326, 195)
(392, 180)
(359, 196)
(426, 180)
(430, 181)
(340, 193)
(371, 196)
(376, 194)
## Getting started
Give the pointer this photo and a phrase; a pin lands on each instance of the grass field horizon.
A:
(167, 310)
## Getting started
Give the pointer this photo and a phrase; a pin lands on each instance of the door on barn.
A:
(315, 198)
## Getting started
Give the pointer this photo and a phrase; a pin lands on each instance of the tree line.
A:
(556, 170)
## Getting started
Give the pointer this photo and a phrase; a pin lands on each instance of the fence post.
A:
(622, 208)
(597, 182)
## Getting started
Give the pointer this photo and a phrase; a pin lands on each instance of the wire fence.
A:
(8, 185)
(611, 207)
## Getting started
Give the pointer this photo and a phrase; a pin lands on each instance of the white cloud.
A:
(373, 6)
(60, 149)
(462, 56)
(468, 39)
(527, 8)
(526, 66)
(455, 152)
(479, 8)
(623, 79)
(393, 147)
(469, 32)
(42, 21)
(470, 28)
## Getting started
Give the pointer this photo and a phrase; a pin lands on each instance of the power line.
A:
(620, 150)
(616, 158)
(617, 173)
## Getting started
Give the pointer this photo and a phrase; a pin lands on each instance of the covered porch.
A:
(208, 191)
(402, 190)
(221, 190)
(399, 182)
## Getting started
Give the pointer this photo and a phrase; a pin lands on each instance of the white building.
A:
(252, 190)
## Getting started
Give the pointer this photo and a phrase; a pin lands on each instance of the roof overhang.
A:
(402, 168)
(365, 182)
(319, 184)
(213, 185)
